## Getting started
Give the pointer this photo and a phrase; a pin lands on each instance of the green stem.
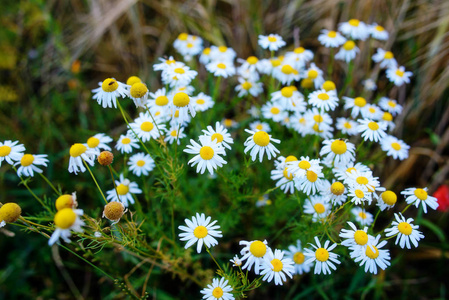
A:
(213, 258)
(50, 184)
(95, 180)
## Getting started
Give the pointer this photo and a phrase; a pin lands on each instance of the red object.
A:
(442, 195)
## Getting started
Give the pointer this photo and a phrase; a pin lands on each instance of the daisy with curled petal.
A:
(141, 163)
(11, 152)
(207, 155)
(342, 171)
(395, 147)
(335, 192)
(405, 232)
(347, 126)
(322, 256)
(371, 130)
(355, 29)
(284, 180)
(220, 135)
(378, 32)
(355, 104)
(125, 144)
(274, 111)
(300, 167)
(387, 200)
(310, 182)
(362, 216)
(175, 135)
(385, 58)
(66, 220)
(347, 52)
(317, 206)
(139, 94)
(419, 196)
(390, 106)
(276, 266)
(331, 39)
(259, 126)
(398, 75)
(28, 163)
(356, 178)
(146, 127)
(202, 102)
(296, 253)
(124, 191)
(78, 154)
(315, 74)
(272, 42)
(221, 68)
(219, 289)
(372, 256)
(98, 143)
(323, 100)
(183, 104)
(108, 92)
(260, 142)
(253, 252)
(200, 229)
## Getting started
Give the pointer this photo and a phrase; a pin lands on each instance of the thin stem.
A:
(113, 181)
(96, 183)
(213, 258)
(50, 184)
(375, 218)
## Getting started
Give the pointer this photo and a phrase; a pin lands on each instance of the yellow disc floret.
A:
(311, 176)
(132, 80)
(27, 160)
(322, 254)
(338, 147)
(146, 126)
(261, 138)
(405, 228)
(323, 96)
(10, 212)
(93, 142)
(161, 101)
(65, 218)
(287, 92)
(298, 258)
(360, 237)
(122, 189)
(312, 74)
(389, 197)
(206, 153)
(287, 176)
(218, 137)
(319, 208)
(252, 60)
(217, 292)
(304, 164)
(258, 248)
(332, 34)
(349, 45)
(109, 85)
(290, 158)
(388, 55)
(421, 194)
(138, 90)
(372, 254)
(65, 201)
(373, 126)
(359, 101)
(287, 69)
(354, 22)
(277, 265)
(77, 149)
(337, 188)
(246, 85)
(200, 232)
(140, 163)
(5, 150)
(181, 99)
(275, 110)
(329, 86)
(105, 158)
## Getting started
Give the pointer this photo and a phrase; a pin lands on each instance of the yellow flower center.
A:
(181, 99)
(272, 39)
(287, 92)
(206, 152)
(177, 113)
(337, 188)
(290, 158)
(200, 101)
(421, 194)
(140, 163)
(302, 121)
(246, 85)
(64, 201)
(221, 66)
(329, 86)
(362, 215)
(189, 45)
(200, 232)
(174, 133)
(391, 104)
(277, 265)
(312, 74)
(259, 126)
(360, 237)
(65, 218)
(93, 142)
(122, 189)
(27, 160)
(146, 126)
(311, 176)
(322, 254)
(323, 96)
(5, 150)
(275, 110)
(347, 125)
(170, 61)
(222, 49)
(405, 228)
(372, 254)
(338, 147)
(304, 164)
(389, 197)
(332, 34)
(183, 36)
(318, 118)
(387, 117)
(349, 170)
(10, 212)
(354, 22)
(217, 292)
(319, 208)
(252, 60)
(287, 69)
(373, 125)
(228, 122)
(396, 146)
(359, 101)
(349, 45)
(132, 80)
(399, 73)
(372, 110)
(138, 90)
(206, 51)
(359, 194)
(388, 55)
(109, 85)
(307, 83)
(261, 138)
(362, 180)
(179, 71)
(379, 28)
(275, 62)
(258, 248)
(77, 149)
(298, 258)
(161, 101)
(126, 141)
(218, 137)
(286, 175)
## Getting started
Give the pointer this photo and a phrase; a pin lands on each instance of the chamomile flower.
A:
(300, 124)
(205, 56)
(259, 126)
(202, 102)
(355, 29)
(263, 201)
(236, 262)
(296, 253)
(335, 192)
(272, 42)
(200, 230)
(362, 216)
(11, 152)
(124, 191)
(355, 238)
(158, 102)
(356, 178)
(317, 206)
(371, 130)
(139, 94)
(220, 135)
(300, 167)
(253, 252)
(260, 142)
(323, 100)
(66, 220)
(207, 154)
(108, 92)
(274, 112)
(146, 127)
(286, 72)
(98, 142)
(126, 143)
(222, 53)
(359, 195)
(300, 56)
(419, 196)
(178, 74)
(372, 112)
(322, 256)
(248, 87)
(78, 154)
(343, 171)
(395, 147)
(390, 106)
(183, 104)
(28, 164)
(164, 64)
(331, 39)
(315, 74)
(347, 126)
(398, 75)
(387, 200)
(385, 58)
(310, 182)
(221, 68)
(219, 289)
(229, 123)
(175, 135)
(284, 180)
(249, 64)
(141, 163)
(188, 45)
(289, 96)
(405, 232)
(378, 32)
(355, 104)
(276, 266)
(372, 256)
(347, 52)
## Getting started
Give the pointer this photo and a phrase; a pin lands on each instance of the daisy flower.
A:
(181, 102)
(141, 163)
(221, 68)
(347, 126)
(276, 266)
(300, 167)
(78, 154)
(178, 74)
(378, 32)
(343, 171)
(219, 289)
(173, 135)
(272, 42)
(348, 52)
(372, 112)
(139, 94)
(323, 100)
(164, 64)
(357, 178)
(385, 58)
(259, 126)
(263, 201)
(300, 56)
(356, 104)
(28, 163)
(355, 238)
(229, 123)
(124, 191)
(300, 124)
(249, 64)
(246, 87)
(287, 96)
(331, 39)
(335, 192)
(220, 135)
(146, 127)
(260, 142)
(398, 75)
(125, 144)
(372, 256)
(188, 45)
(362, 216)
(200, 229)
(310, 182)
(202, 102)
(296, 253)
(158, 102)
(98, 143)
(66, 220)
(66, 201)
(286, 72)
(236, 262)
(315, 74)
(387, 200)
(359, 195)
(205, 56)
(338, 151)
(207, 155)
(11, 152)
(371, 130)
(317, 206)
(108, 92)
(274, 111)
(395, 147)
(253, 252)
(284, 180)
(405, 232)
(419, 196)
(390, 106)
(322, 256)
(222, 53)
(132, 79)
(355, 29)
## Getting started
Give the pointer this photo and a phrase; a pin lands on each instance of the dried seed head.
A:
(105, 158)
(113, 211)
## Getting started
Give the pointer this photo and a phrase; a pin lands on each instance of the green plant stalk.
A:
(50, 184)
(95, 180)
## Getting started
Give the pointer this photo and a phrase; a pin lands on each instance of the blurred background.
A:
(52, 53)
